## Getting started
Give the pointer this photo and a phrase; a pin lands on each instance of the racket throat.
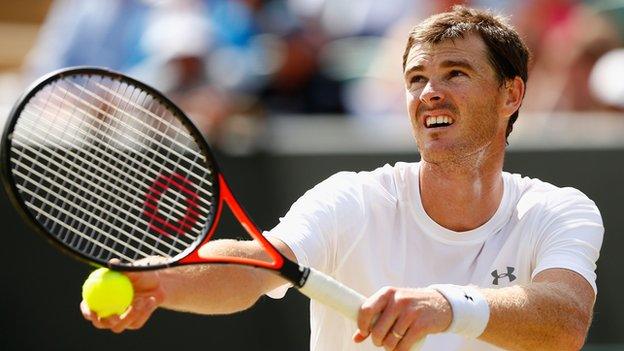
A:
(296, 274)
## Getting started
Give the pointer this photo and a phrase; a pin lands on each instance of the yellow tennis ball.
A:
(107, 292)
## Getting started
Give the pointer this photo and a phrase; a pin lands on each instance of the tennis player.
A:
(450, 248)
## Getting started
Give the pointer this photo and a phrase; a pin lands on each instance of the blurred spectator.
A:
(93, 32)
(177, 39)
(570, 38)
(162, 42)
(346, 18)
(612, 9)
(607, 79)
(263, 50)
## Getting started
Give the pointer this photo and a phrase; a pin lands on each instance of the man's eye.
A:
(455, 73)
(417, 79)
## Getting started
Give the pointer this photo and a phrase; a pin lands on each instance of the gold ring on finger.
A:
(397, 335)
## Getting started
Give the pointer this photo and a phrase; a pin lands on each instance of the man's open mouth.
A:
(438, 121)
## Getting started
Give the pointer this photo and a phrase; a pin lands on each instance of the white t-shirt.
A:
(369, 230)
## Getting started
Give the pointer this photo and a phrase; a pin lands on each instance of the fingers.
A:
(377, 317)
(392, 318)
(100, 323)
(149, 306)
(86, 312)
(148, 295)
(382, 332)
(396, 334)
(369, 312)
(405, 333)
(134, 318)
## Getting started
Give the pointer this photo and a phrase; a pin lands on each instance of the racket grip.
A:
(328, 291)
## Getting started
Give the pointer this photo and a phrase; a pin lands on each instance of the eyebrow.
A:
(457, 63)
(444, 64)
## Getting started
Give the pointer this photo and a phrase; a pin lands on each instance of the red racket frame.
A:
(226, 197)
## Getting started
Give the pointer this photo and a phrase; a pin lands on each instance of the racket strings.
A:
(95, 165)
(73, 219)
(81, 190)
(138, 132)
(110, 170)
(123, 133)
(105, 157)
(150, 113)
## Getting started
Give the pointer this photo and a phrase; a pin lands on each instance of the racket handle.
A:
(328, 291)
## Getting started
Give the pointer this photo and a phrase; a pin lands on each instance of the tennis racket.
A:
(107, 167)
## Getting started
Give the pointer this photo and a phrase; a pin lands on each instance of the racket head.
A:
(21, 196)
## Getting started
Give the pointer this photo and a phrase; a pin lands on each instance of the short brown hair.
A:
(507, 53)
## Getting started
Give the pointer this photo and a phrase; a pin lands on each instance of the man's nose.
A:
(431, 93)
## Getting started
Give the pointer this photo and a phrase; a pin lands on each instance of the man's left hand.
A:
(397, 318)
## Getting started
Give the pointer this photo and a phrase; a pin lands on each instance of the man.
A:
(451, 248)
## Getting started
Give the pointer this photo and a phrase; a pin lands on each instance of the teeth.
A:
(438, 120)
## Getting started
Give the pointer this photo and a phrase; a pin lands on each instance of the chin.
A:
(437, 153)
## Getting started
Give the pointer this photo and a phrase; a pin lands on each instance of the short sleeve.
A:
(572, 235)
(311, 226)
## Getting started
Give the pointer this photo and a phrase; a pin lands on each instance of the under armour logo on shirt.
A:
(508, 275)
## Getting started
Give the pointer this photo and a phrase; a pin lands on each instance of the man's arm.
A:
(203, 288)
(552, 313)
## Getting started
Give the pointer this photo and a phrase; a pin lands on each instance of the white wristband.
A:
(471, 312)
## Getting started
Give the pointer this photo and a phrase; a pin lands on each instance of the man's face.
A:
(454, 99)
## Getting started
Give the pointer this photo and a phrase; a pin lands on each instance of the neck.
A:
(462, 195)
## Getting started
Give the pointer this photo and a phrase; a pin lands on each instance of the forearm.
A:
(217, 288)
(538, 316)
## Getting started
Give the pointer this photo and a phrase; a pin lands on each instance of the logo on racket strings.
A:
(158, 223)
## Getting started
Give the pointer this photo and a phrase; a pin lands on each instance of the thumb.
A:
(359, 336)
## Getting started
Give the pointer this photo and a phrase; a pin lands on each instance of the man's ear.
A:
(514, 93)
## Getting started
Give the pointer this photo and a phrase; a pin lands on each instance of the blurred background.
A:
(288, 92)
